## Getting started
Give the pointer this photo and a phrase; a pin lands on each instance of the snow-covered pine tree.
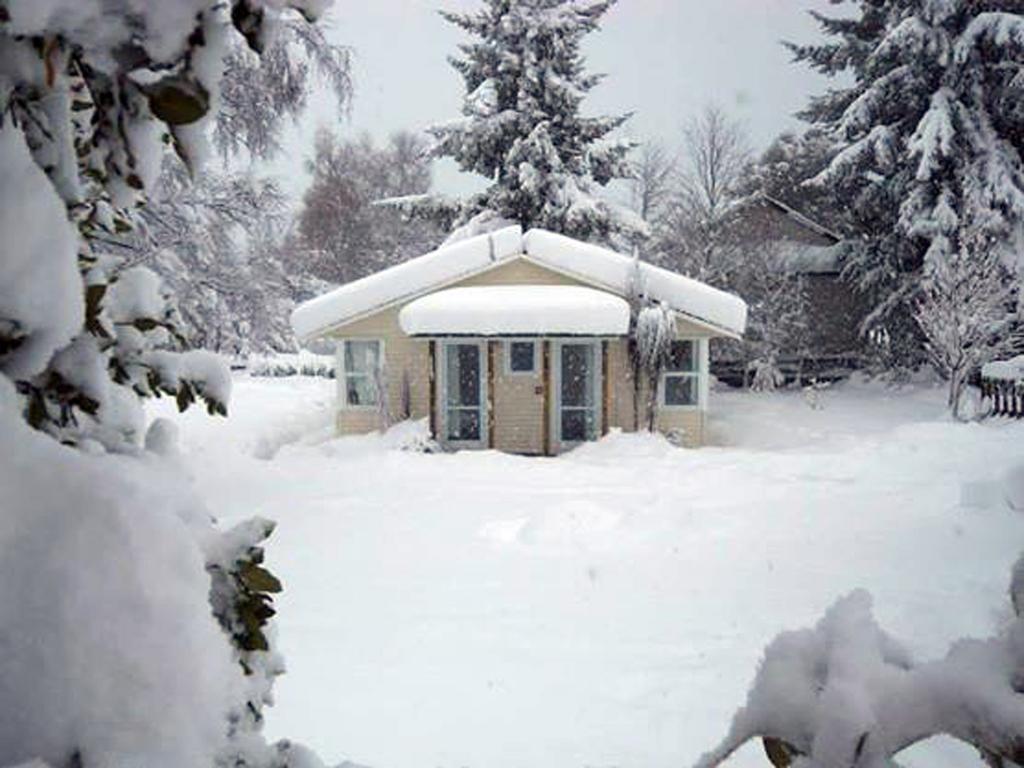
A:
(522, 129)
(929, 135)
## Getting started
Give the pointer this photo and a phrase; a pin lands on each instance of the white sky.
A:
(664, 59)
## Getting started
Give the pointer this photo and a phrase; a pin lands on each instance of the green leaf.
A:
(259, 579)
(178, 100)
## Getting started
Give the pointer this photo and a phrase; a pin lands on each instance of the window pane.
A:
(575, 425)
(680, 390)
(463, 374)
(682, 356)
(520, 356)
(463, 424)
(577, 375)
(361, 356)
(362, 389)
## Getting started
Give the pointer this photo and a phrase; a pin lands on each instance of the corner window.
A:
(522, 356)
(680, 382)
(361, 362)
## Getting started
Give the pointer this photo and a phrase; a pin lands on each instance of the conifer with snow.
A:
(522, 129)
(930, 135)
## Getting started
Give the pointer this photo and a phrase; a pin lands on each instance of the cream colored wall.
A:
(403, 356)
(518, 410)
(621, 414)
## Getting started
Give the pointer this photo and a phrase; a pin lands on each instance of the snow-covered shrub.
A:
(969, 314)
(654, 329)
(845, 693)
(112, 655)
(301, 364)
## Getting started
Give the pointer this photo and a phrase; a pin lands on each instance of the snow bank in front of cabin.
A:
(108, 644)
(592, 263)
(527, 310)
(403, 281)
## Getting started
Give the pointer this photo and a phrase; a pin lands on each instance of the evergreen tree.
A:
(929, 139)
(522, 129)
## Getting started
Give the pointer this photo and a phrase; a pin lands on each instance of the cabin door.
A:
(463, 394)
(577, 386)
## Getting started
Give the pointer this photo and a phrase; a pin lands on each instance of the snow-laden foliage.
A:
(929, 138)
(263, 86)
(112, 655)
(653, 330)
(778, 322)
(215, 242)
(522, 129)
(969, 314)
(845, 693)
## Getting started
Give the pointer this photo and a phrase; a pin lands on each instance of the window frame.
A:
(344, 374)
(697, 375)
(484, 409)
(535, 367)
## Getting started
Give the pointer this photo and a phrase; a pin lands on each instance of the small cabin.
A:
(517, 342)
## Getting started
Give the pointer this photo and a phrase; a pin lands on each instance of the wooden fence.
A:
(1006, 396)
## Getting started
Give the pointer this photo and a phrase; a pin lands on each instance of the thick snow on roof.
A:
(407, 280)
(1008, 370)
(588, 263)
(517, 310)
(616, 272)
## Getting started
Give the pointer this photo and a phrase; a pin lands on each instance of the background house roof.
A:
(623, 275)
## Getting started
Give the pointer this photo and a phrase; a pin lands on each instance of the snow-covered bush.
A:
(112, 652)
(654, 328)
(521, 128)
(969, 314)
(301, 364)
(845, 693)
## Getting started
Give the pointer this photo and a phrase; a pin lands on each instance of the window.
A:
(680, 383)
(361, 363)
(522, 356)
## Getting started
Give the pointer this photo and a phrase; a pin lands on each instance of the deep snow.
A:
(608, 607)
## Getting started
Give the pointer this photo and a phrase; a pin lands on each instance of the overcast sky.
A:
(664, 59)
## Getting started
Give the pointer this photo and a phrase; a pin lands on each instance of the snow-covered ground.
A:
(609, 607)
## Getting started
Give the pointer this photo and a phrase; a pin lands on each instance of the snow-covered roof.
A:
(412, 278)
(602, 268)
(809, 259)
(801, 218)
(516, 310)
(1007, 370)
